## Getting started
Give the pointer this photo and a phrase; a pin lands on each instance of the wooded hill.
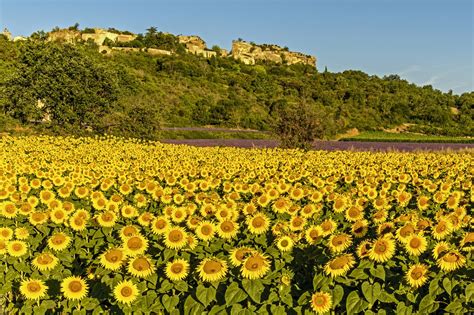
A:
(75, 89)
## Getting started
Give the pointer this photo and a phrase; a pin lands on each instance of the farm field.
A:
(381, 136)
(95, 225)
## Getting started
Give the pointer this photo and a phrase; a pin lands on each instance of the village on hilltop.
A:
(247, 52)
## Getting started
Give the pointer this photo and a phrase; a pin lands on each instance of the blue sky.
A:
(424, 41)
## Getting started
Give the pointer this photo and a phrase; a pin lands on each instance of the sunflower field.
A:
(108, 225)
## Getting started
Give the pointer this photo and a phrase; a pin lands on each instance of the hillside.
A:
(74, 87)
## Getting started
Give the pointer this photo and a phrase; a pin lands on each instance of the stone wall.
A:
(66, 36)
(100, 35)
(196, 45)
(249, 53)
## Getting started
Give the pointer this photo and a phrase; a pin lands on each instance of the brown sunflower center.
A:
(227, 226)
(126, 291)
(211, 267)
(135, 243)
(75, 286)
(254, 263)
(339, 240)
(129, 231)
(451, 258)
(17, 247)
(141, 264)
(5, 233)
(33, 287)
(206, 230)
(314, 234)
(339, 262)
(58, 239)
(380, 247)
(353, 212)
(284, 243)
(114, 255)
(258, 222)
(415, 242)
(407, 230)
(319, 301)
(177, 268)
(44, 259)
(175, 236)
(417, 273)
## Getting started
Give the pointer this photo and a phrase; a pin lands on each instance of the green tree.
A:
(74, 87)
(298, 125)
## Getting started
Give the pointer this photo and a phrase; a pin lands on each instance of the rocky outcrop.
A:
(65, 36)
(100, 35)
(249, 53)
(196, 45)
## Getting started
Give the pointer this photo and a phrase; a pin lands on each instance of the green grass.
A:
(185, 134)
(406, 137)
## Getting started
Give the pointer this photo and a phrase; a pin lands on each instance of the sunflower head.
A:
(126, 292)
(321, 302)
(74, 288)
(33, 289)
(177, 269)
(212, 269)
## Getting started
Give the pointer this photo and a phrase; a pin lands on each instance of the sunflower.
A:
(106, 218)
(227, 229)
(178, 215)
(423, 202)
(6, 233)
(59, 241)
(363, 249)
(3, 247)
(313, 234)
(285, 243)
(238, 255)
(340, 265)
(212, 269)
(37, 218)
(74, 288)
(321, 302)
(192, 241)
(382, 249)
(128, 231)
(160, 224)
(258, 223)
(297, 223)
(467, 241)
(440, 249)
(354, 213)
(175, 238)
(177, 269)
(135, 245)
(33, 289)
(339, 242)
(255, 266)
(205, 230)
(328, 226)
(141, 267)
(58, 216)
(451, 261)
(77, 223)
(442, 229)
(126, 292)
(360, 228)
(17, 248)
(417, 275)
(404, 232)
(112, 259)
(385, 228)
(45, 261)
(416, 244)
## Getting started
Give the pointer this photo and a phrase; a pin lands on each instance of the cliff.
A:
(249, 53)
(196, 45)
(100, 35)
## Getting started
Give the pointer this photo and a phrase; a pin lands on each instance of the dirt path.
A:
(328, 145)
